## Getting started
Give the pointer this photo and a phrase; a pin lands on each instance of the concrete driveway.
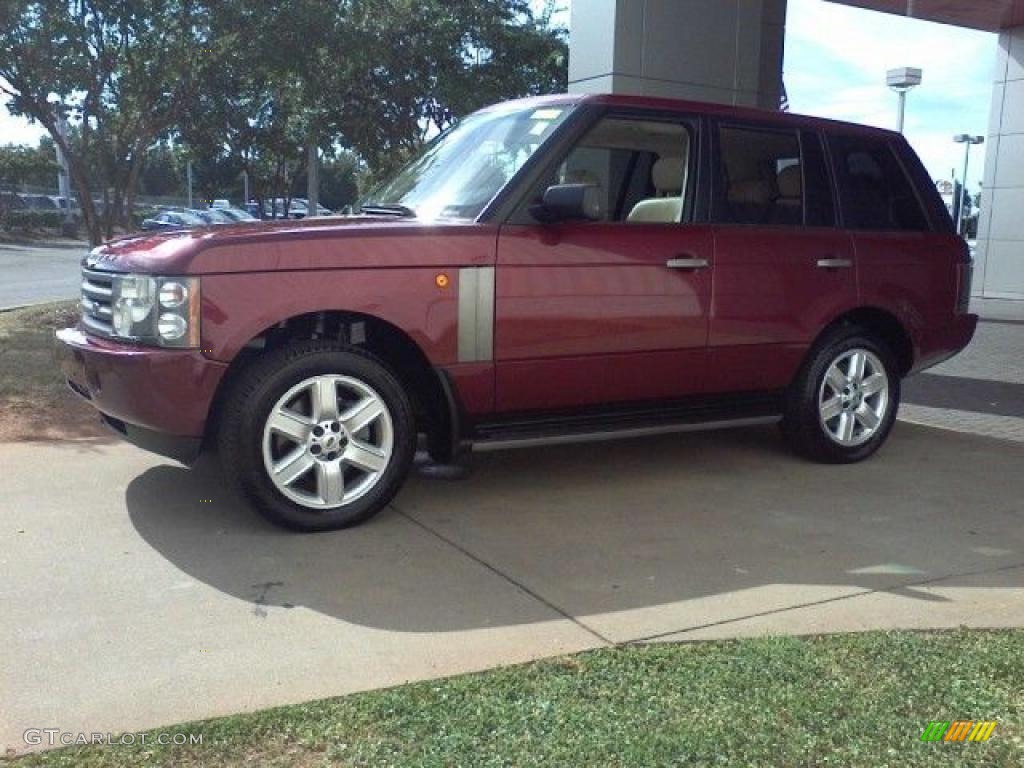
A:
(30, 274)
(136, 593)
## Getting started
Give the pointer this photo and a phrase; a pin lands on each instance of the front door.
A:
(613, 310)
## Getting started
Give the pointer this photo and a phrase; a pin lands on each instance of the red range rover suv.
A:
(556, 268)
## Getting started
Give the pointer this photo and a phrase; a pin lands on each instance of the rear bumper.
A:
(944, 343)
(156, 398)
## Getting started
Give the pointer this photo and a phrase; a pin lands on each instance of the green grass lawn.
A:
(26, 349)
(853, 700)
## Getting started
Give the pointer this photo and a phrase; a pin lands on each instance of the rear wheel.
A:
(318, 436)
(843, 403)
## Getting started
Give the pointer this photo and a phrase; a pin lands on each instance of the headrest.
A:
(667, 174)
(790, 182)
(750, 193)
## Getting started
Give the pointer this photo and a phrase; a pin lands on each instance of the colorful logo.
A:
(958, 730)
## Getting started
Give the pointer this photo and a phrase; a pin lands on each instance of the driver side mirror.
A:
(568, 202)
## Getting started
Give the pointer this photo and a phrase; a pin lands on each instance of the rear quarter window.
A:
(875, 192)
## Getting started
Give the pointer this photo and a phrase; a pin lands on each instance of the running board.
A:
(693, 416)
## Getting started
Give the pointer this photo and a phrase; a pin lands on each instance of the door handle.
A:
(686, 263)
(835, 263)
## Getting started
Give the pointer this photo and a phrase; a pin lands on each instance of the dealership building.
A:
(734, 55)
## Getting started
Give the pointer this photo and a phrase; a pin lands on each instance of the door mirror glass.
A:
(568, 202)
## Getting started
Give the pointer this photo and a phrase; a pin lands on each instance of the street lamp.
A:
(902, 80)
(63, 168)
(968, 141)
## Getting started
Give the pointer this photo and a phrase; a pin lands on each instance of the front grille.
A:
(97, 297)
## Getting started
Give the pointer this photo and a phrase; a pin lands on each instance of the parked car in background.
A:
(172, 220)
(298, 208)
(211, 215)
(301, 208)
(12, 201)
(66, 204)
(276, 209)
(237, 214)
(568, 267)
(40, 202)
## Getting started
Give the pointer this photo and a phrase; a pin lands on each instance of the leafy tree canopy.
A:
(241, 85)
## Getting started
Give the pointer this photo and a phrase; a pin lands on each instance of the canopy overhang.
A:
(989, 15)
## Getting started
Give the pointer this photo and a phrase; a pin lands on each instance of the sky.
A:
(836, 59)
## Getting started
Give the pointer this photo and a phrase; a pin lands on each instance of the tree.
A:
(339, 181)
(375, 77)
(249, 86)
(26, 165)
(122, 72)
(162, 172)
(426, 63)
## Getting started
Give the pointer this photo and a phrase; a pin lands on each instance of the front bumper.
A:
(157, 398)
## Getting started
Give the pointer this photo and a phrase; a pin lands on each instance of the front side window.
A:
(874, 192)
(460, 172)
(640, 170)
(760, 177)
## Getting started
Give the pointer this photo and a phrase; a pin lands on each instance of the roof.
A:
(708, 108)
(988, 15)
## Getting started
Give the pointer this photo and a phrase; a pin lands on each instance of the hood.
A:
(313, 243)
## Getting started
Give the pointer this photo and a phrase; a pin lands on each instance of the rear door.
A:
(908, 263)
(783, 269)
(613, 310)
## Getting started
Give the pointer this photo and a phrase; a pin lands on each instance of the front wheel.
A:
(843, 403)
(318, 436)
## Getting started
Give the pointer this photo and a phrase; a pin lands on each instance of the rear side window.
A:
(874, 191)
(760, 177)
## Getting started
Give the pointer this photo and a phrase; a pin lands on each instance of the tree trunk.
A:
(81, 184)
(79, 179)
(107, 222)
(131, 189)
(89, 218)
(313, 179)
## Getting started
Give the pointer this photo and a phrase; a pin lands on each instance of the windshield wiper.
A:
(388, 209)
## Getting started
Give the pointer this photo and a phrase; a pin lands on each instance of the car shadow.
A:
(611, 527)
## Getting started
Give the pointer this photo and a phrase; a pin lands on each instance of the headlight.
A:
(156, 310)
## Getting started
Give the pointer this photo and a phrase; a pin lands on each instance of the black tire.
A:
(248, 405)
(802, 424)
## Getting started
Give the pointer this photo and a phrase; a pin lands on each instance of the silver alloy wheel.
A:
(327, 441)
(854, 398)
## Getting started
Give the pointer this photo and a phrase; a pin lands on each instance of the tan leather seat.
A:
(754, 193)
(668, 176)
(750, 201)
(788, 208)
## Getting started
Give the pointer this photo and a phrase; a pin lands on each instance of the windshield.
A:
(460, 171)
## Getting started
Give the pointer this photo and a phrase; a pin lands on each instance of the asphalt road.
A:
(31, 274)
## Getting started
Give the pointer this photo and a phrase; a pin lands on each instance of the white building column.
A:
(726, 51)
(999, 270)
